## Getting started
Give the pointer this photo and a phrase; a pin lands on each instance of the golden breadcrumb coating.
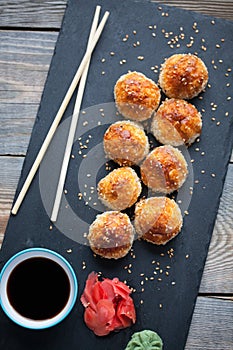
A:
(111, 235)
(164, 169)
(126, 143)
(136, 96)
(120, 189)
(183, 76)
(176, 122)
(157, 219)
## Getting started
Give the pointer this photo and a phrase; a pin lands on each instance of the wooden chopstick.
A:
(58, 116)
(73, 124)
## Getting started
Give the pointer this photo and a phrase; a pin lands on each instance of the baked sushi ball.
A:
(164, 170)
(176, 122)
(157, 219)
(126, 143)
(136, 96)
(111, 235)
(183, 76)
(120, 189)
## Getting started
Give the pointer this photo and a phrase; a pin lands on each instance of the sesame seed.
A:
(50, 227)
(213, 175)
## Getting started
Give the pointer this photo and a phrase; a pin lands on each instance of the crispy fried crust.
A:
(157, 219)
(183, 76)
(136, 96)
(126, 143)
(111, 235)
(164, 169)
(120, 189)
(176, 122)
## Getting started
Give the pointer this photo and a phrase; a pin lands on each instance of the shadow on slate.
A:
(178, 289)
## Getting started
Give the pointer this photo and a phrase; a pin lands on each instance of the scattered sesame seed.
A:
(69, 250)
(213, 175)
(187, 256)
(65, 191)
(140, 58)
(50, 227)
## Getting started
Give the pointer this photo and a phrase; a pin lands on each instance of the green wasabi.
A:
(145, 340)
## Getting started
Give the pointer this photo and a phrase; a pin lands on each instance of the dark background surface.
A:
(31, 226)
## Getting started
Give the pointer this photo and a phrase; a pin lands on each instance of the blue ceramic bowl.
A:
(4, 276)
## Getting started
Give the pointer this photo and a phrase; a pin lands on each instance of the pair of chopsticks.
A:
(81, 73)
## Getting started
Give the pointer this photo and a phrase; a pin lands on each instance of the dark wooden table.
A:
(28, 33)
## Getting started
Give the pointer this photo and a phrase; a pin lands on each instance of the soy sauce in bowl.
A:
(38, 288)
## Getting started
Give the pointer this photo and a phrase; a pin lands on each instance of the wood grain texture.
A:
(32, 14)
(24, 63)
(218, 275)
(49, 13)
(215, 8)
(215, 332)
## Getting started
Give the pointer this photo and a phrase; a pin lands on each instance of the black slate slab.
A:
(170, 276)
